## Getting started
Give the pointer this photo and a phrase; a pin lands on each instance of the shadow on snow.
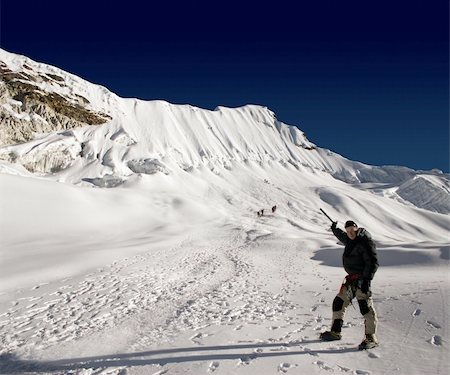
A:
(386, 257)
(10, 364)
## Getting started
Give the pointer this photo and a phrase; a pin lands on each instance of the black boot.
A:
(330, 336)
(369, 342)
(335, 333)
(337, 325)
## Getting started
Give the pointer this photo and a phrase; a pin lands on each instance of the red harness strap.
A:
(350, 283)
(353, 277)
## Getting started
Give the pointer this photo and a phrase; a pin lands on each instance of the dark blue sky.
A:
(367, 79)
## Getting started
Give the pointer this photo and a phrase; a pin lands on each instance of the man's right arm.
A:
(339, 233)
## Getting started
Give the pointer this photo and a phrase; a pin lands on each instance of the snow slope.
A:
(134, 247)
(157, 133)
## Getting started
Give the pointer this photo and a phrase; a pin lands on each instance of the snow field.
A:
(263, 317)
(241, 295)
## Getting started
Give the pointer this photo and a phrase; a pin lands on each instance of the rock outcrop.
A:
(27, 110)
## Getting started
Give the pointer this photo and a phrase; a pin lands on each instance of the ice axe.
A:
(329, 218)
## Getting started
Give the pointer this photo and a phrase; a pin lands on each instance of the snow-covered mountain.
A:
(57, 125)
(130, 243)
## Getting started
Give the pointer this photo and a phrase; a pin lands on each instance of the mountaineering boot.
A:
(369, 342)
(330, 336)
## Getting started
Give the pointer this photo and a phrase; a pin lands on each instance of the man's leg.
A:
(340, 304)
(367, 310)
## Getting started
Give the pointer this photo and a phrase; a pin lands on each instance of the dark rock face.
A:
(27, 111)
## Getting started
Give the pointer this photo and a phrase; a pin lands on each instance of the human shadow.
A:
(445, 253)
(11, 364)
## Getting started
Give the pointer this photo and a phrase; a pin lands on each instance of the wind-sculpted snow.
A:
(108, 181)
(53, 158)
(423, 193)
(146, 137)
(147, 166)
(386, 174)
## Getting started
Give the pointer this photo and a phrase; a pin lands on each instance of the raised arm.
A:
(339, 233)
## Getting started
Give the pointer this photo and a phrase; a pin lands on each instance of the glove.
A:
(333, 226)
(365, 286)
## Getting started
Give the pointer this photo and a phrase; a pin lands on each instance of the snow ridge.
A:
(158, 137)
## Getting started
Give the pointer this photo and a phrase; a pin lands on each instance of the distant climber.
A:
(274, 208)
(360, 262)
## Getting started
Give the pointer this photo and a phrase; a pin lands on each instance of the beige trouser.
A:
(365, 302)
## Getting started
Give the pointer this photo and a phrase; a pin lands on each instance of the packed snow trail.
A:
(64, 311)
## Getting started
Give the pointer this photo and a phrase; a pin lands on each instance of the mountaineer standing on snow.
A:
(360, 262)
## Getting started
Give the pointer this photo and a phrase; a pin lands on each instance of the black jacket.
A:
(360, 254)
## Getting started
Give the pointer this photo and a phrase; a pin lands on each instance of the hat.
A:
(350, 223)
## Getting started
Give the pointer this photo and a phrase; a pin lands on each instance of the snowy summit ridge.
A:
(179, 134)
(58, 125)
